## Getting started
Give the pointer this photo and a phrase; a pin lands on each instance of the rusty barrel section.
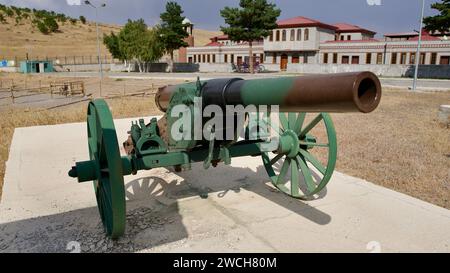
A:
(344, 92)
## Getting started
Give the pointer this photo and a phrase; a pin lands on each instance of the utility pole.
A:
(419, 44)
(98, 42)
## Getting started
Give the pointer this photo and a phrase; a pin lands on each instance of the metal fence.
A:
(62, 60)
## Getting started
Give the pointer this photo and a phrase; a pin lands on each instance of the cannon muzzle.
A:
(344, 92)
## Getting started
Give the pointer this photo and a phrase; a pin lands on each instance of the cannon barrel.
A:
(343, 92)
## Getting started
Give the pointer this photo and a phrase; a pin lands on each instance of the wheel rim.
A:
(307, 175)
(104, 150)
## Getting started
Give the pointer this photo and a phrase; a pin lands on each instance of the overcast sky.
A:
(390, 16)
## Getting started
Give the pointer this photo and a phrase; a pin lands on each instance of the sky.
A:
(381, 16)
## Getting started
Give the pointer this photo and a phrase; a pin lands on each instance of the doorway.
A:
(445, 60)
(284, 62)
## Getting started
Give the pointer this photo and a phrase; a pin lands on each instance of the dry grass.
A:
(400, 146)
(72, 40)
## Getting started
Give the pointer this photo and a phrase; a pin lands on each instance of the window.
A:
(209, 58)
(274, 58)
(433, 58)
(190, 59)
(195, 58)
(355, 59)
(335, 58)
(292, 34)
(305, 58)
(422, 58)
(368, 58)
(277, 35)
(349, 37)
(306, 34)
(342, 38)
(295, 59)
(379, 58)
(214, 58)
(261, 58)
(225, 58)
(403, 58)
(299, 34)
(271, 36)
(412, 58)
(325, 58)
(345, 59)
(283, 35)
(394, 58)
(232, 58)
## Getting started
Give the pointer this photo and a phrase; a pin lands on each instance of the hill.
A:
(72, 39)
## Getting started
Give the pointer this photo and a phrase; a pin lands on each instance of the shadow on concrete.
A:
(153, 216)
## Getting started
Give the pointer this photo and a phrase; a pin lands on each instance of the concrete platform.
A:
(43, 210)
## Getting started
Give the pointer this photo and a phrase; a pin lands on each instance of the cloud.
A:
(74, 2)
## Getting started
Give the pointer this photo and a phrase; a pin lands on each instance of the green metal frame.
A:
(106, 167)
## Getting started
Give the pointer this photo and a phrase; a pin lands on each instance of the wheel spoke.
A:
(311, 125)
(299, 122)
(275, 159)
(292, 118)
(314, 144)
(316, 163)
(283, 171)
(294, 178)
(310, 185)
(284, 121)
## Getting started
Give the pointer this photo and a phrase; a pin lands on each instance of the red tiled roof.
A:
(354, 41)
(401, 34)
(425, 37)
(344, 27)
(220, 37)
(213, 44)
(301, 21)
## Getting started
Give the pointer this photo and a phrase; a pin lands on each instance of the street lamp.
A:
(416, 71)
(98, 41)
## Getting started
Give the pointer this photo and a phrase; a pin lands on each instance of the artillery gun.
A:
(169, 142)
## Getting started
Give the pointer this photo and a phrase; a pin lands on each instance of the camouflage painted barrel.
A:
(343, 92)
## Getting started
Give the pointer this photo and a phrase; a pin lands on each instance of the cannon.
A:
(285, 143)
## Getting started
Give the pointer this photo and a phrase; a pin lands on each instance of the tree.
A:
(2, 18)
(112, 44)
(254, 20)
(42, 27)
(136, 42)
(83, 19)
(172, 30)
(440, 22)
(51, 24)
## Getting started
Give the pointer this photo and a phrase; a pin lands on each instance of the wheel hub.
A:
(289, 144)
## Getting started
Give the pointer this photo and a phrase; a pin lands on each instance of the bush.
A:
(2, 18)
(42, 28)
(51, 24)
(9, 12)
(83, 19)
(73, 21)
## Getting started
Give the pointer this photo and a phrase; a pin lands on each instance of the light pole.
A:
(98, 41)
(419, 44)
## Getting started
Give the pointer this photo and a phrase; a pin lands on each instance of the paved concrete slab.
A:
(43, 210)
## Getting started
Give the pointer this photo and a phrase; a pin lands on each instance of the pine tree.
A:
(251, 22)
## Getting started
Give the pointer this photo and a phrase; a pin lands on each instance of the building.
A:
(302, 40)
(182, 52)
(222, 50)
(36, 66)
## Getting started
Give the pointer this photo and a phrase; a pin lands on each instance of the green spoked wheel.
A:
(104, 151)
(305, 160)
